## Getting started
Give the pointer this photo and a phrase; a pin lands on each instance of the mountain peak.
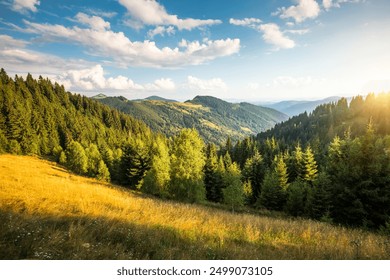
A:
(99, 96)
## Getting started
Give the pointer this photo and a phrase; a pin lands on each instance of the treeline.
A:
(333, 164)
(38, 117)
(343, 177)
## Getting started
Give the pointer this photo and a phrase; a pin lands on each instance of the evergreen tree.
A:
(253, 172)
(135, 162)
(233, 193)
(272, 195)
(310, 166)
(281, 172)
(296, 197)
(77, 161)
(158, 177)
(187, 163)
(102, 172)
(212, 178)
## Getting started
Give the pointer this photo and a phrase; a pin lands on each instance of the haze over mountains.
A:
(296, 107)
(214, 118)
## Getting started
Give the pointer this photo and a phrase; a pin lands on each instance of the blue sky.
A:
(250, 50)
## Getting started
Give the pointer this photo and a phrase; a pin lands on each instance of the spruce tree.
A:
(310, 166)
(233, 193)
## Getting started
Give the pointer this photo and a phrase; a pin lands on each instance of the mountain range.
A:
(215, 119)
(296, 107)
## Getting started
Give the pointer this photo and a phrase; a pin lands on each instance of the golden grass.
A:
(49, 213)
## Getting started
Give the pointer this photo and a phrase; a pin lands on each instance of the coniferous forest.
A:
(331, 165)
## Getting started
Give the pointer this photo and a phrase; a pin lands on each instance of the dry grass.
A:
(48, 213)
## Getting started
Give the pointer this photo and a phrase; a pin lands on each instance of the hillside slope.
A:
(215, 119)
(48, 213)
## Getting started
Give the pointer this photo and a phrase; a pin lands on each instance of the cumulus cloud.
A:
(94, 22)
(93, 79)
(305, 9)
(215, 84)
(102, 41)
(271, 32)
(272, 35)
(161, 84)
(23, 6)
(161, 30)
(150, 12)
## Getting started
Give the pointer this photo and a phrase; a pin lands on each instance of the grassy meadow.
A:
(49, 213)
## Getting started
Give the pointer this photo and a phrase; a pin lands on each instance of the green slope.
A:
(215, 119)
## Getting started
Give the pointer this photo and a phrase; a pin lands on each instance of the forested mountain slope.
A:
(215, 119)
(38, 117)
(334, 119)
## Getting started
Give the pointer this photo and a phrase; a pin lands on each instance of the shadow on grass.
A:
(44, 237)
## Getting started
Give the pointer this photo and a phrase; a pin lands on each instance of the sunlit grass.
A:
(48, 213)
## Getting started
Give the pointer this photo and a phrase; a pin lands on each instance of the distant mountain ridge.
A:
(214, 118)
(296, 107)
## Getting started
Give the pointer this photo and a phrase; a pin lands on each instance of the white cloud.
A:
(7, 42)
(305, 9)
(271, 32)
(150, 12)
(161, 30)
(215, 84)
(328, 4)
(272, 35)
(251, 22)
(297, 31)
(16, 58)
(104, 42)
(95, 22)
(93, 79)
(161, 84)
(25, 5)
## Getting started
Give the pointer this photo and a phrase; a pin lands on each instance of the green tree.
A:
(158, 177)
(77, 161)
(135, 162)
(253, 172)
(296, 198)
(233, 193)
(102, 172)
(310, 166)
(187, 163)
(212, 176)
